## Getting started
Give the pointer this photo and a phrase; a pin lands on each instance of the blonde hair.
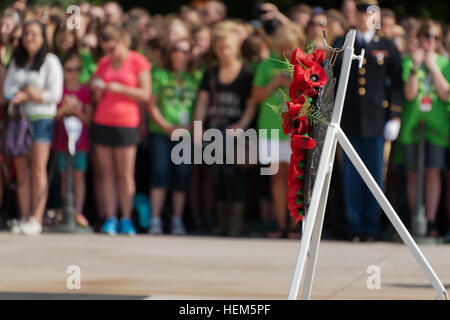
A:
(288, 34)
(110, 31)
(225, 34)
(425, 27)
(226, 26)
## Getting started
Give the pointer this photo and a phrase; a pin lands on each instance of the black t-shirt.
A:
(227, 102)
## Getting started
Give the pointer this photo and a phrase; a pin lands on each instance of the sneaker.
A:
(432, 231)
(156, 226)
(433, 234)
(81, 220)
(126, 227)
(111, 226)
(356, 238)
(15, 226)
(177, 227)
(447, 237)
(32, 227)
(369, 238)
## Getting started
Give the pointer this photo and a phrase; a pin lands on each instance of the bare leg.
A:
(447, 196)
(1, 181)
(39, 158)
(107, 179)
(79, 184)
(97, 184)
(63, 186)
(411, 190)
(279, 188)
(179, 199)
(265, 207)
(432, 192)
(157, 197)
(125, 160)
(194, 189)
(23, 186)
(208, 191)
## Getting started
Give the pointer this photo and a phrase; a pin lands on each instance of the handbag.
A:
(16, 137)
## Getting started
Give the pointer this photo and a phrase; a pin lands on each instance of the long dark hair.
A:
(167, 58)
(21, 54)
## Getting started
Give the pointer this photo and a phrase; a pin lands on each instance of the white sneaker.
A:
(32, 227)
(15, 226)
(178, 227)
(156, 226)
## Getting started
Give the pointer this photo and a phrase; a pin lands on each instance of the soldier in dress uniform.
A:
(371, 113)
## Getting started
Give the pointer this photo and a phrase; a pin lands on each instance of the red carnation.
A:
(300, 143)
(294, 175)
(295, 106)
(302, 125)
(297, 83)
(287, 123)
(297, 56)
(315, 76)
(301, 87)
(294, 203)
(315, 57)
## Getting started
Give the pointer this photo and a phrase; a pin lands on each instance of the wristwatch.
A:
(413, 71)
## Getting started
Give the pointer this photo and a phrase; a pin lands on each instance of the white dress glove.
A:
(391, 129)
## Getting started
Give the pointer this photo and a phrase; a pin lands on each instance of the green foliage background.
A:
(436, 9)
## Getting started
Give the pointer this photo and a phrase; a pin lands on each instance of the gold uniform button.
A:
(385, 103)
(364, 61)
(362, 71)
(362, 81)
(362, 91)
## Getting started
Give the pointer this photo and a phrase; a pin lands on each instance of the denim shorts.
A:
(79, 161)
(164, 173)
(42, 130)
(434, 156)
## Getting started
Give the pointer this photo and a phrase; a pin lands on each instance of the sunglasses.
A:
(318, 24)
(74, 69)
(87, 47)
(186, 52)
(431, 36)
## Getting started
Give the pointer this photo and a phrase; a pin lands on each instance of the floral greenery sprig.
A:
(298, 114)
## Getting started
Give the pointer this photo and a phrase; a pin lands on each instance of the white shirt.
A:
(366, 36)
(49, 79)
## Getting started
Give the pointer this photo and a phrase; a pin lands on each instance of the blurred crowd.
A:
(128, 80)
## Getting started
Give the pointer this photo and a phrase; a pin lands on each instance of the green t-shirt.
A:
(176, 103)
(437, 121)
(88, 66)
(7, 55)
(267, 118)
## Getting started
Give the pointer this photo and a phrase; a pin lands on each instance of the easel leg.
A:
(324, 164)
(314, 247)
(317, 232)
(390, 212)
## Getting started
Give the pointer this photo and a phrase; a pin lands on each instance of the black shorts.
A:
(434, 156)
(114, 136)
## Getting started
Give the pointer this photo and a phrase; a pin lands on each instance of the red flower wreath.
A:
(309, 75)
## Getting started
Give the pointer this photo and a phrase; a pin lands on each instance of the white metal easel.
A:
(309, 245)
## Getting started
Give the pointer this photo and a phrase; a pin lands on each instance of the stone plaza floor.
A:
(189, 267)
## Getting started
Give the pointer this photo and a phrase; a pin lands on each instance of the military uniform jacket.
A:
(374, 92)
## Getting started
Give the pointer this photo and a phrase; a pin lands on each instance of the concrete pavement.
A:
(169, 267)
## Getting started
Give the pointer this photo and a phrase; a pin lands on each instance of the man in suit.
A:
(371, 115)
